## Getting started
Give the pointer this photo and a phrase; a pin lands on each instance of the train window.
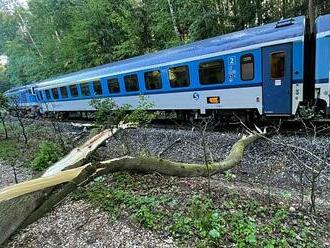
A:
(247, 67)
(74, 90)
(85, 89)
(131, 83)
(113, 86)
(55, 93)
(97, 87)
(41, 97)
(278, 65)
(179, 76)
(212, 72)
(64, 92)
(153, 80)
(48, 94)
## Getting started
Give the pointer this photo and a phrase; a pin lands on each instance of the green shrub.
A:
(47, 154)
(198, 219)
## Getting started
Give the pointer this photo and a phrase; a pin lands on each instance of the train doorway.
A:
(277, 80)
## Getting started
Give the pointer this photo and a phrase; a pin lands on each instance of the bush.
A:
(47, 154)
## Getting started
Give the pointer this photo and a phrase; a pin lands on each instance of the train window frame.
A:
(55, 94)
(48, 95)
(85, 89)
(187, 76)
(66, 95)
(253, 66)
(271, 65)
(75, 86)
(127, 87)
(158, 86)
(110, 82)
(98, 91)
(200, 71)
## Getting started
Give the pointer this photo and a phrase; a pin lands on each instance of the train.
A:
(269, 71)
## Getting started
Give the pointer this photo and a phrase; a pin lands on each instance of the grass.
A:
(194, 219)
(9, 150)
(38, 154)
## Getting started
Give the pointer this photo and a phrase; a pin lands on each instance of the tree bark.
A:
(175, 25)
(141, 164)
(15, 211)
(4, 124)
(312, 14)
(35, 195)
(23, 129)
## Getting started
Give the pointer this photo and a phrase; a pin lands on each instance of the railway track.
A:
(282, 126)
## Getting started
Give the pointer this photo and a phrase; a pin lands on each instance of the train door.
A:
(277, 80)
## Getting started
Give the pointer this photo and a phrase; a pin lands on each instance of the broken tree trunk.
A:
(33, 193)
(15, 211)
(79, 155)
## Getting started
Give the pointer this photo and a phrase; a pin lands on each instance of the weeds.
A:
(198, 220)
(47, 154)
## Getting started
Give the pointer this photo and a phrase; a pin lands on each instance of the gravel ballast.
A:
(7, 177)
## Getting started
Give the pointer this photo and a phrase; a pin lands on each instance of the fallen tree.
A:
(15, 210)
(39, 197)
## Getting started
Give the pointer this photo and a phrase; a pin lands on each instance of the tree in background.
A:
(4, 80)
(3, 112)
(53, 37)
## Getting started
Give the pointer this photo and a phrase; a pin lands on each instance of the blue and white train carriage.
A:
(260, 70)
(322, 63)
(23, 97)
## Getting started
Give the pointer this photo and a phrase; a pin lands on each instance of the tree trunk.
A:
(4, 124)
(141, 164)
(26, 202)
(312, 14)
(23, 129)
(175, 25)
(15, 211)
(26, 28)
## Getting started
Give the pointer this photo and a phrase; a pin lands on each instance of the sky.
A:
(3, 60)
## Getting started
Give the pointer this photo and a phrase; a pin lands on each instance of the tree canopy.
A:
(52, 37)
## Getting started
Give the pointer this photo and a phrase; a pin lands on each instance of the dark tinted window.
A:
(55, 93)
(212, 72)
(179, 76)
(74, 90)
(278, 65)
(48, 94)
(113, 85)
(97, 87)
(131, 83)
(85, 89)
(247, 67)
(64, 92)
(153, 80)
(41, 97)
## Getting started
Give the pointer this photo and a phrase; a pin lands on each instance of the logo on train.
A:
(196, 96)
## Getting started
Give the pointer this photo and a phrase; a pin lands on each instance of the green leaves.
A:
(77, 34)
(47, 154)
(214, 234)
(3, 101)
(110, 115)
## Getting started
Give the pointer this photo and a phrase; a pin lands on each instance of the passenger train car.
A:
(269, 70)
